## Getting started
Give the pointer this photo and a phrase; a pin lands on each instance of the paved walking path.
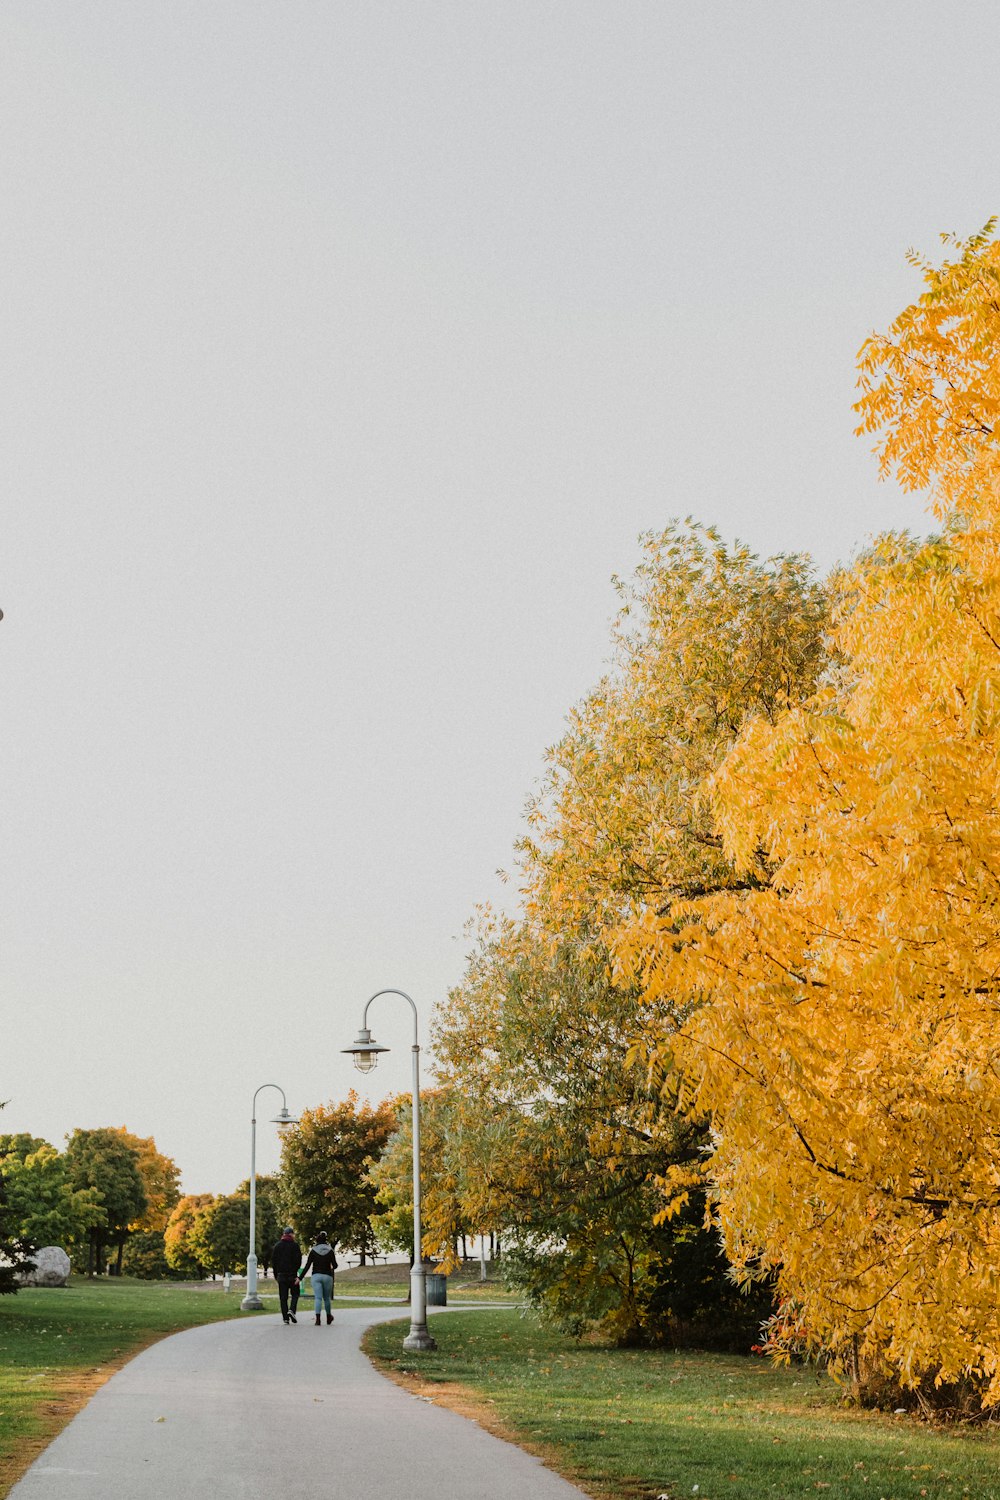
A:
(255, 1410)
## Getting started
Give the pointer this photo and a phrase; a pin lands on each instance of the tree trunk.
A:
(633, 1334)
(118, 1262)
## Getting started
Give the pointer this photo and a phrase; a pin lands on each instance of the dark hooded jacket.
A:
(321, 1259)
(286, 1257)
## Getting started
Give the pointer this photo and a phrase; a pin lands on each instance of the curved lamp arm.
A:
(405, 996)
(253, 1107)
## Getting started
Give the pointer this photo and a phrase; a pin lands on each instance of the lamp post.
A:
(251, 1302)
(365, 1052)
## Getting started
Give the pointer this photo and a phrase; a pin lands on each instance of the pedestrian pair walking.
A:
(321, 1262)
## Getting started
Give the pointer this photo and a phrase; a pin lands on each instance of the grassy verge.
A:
(394, 1282)
(58, 1344)
(639, 1424)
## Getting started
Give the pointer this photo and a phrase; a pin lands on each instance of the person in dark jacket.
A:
(286, 1257)
(321, 1263)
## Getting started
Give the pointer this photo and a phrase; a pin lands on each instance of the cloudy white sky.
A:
(347, 349)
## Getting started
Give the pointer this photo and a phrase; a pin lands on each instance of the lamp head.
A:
(365, 1051)
(283, 1118)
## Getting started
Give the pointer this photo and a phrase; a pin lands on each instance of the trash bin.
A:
(437, 1289)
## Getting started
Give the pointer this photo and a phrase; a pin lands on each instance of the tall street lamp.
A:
(251, 1302)
(365, 1053)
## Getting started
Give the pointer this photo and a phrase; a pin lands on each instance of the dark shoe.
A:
(329, 1317)
(318, 1320)
(284, 1317)
(291, 1318)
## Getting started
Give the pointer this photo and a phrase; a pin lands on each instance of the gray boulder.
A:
(51, 1268)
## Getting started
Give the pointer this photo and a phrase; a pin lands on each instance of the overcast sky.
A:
(347, 349)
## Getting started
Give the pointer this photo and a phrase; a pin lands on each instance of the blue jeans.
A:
(322, 1292)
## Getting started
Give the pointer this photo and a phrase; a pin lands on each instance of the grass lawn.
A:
(642, 1424)
(393, 1281)
(58, 1344)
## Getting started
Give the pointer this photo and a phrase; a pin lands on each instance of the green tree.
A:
(392, 1179)
(555, 1139)
(443, 1218)
(102, 1161)
(220, 1234)
(43, 1208)
(145, 1256)
(15, 1250)
(324, 1167)
(178, 1247)
(267, 1216)
(160, 1180)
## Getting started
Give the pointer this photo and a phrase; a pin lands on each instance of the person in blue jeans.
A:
(321, 1264)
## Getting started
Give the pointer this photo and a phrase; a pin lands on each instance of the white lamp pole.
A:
(365, 1052)
(251, 1302)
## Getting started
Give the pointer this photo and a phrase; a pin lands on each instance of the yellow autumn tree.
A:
(707, 635)
(160, 1179)
(837, 1010)
(553, 1137)
(179, 1238)
(442, 1217)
